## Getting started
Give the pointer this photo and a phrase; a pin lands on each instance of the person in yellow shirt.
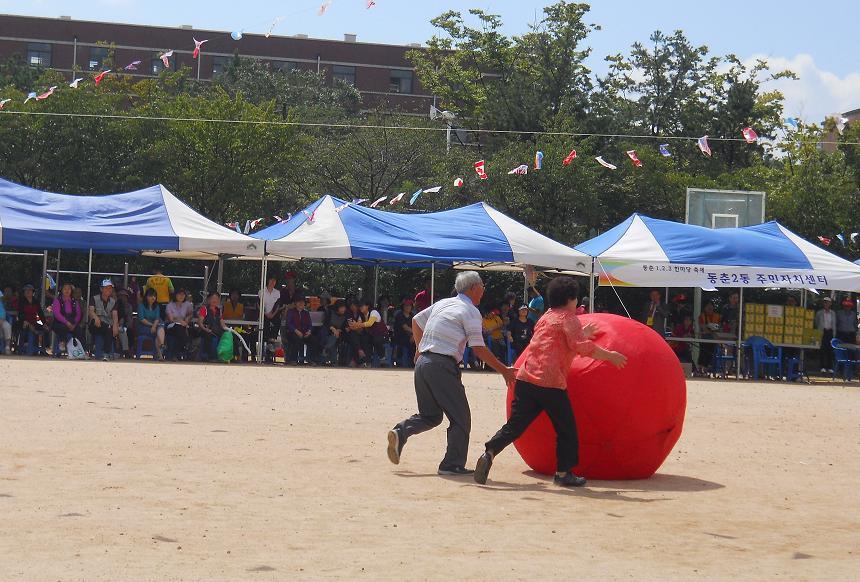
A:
(163, 287)
(494, 326)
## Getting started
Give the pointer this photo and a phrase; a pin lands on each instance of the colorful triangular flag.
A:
(433, 190)
(634, 158)
(605, 164)
(664, 150)
(378, 201)
(396, 199)
(750, 135)
(415, 196)
(703, 145)
(841, 238)
(824, 240)
(521, 170)
(538, 160)
(479, 169)
(569, 159)
(458, 182)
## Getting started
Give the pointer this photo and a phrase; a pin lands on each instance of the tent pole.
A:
(220, 280)
(125, 275)
(44, 277)
(375, 282)
(59, 253)
(260, 346)
(591, 288)
(525, 289)
(432, 283)
(89, 287)
(205, 281)
(740, 333)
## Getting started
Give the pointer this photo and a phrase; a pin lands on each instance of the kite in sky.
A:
(570, 157)
(370, 4)
(98, 78)
(323, 7)
(703, 145)
(197, 45)
(750, 135)
(605, 164)
(46, 94)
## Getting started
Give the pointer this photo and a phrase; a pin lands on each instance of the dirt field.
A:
(114, 471)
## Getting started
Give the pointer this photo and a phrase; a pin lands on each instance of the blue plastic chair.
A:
(723, 360)
(765, 355)
(840, 356)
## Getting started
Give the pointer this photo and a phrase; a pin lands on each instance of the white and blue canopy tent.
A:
(648, 252)
(148, 221)
(473, 237)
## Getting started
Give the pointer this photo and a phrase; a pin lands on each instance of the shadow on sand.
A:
(601, 490)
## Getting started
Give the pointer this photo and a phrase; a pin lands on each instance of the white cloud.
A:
(817, 93)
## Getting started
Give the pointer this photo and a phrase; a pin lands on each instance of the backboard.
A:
(724, 208)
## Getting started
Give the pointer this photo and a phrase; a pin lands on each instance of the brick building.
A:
(382, 73)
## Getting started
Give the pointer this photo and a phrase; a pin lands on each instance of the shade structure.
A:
(644, 251)
(475, 236)
(151, 221)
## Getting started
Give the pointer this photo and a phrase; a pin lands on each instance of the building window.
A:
(284, 66)
(98, 55)
(39, 54)
(345, 74)
(401, 81)
(220, 64)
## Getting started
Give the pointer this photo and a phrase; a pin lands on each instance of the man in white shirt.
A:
(272, 322)
(825, 320)
(441, 333)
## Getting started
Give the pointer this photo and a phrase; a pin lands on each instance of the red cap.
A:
(847, 303)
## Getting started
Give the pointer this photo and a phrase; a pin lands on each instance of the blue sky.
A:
(815, 40)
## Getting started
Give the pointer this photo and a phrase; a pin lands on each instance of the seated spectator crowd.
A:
(161, 322)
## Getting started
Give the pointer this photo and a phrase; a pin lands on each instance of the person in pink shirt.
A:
(67, 316)
(541, 384)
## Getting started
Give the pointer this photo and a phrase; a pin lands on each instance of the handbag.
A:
(75, 350)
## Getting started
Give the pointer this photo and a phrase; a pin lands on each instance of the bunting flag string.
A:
(634, 158)
(480, 170)
(132, 66)
(396, 199)
(458, 182)
(415, 196)
(379, 201)
(98, 78)
(520, 170)
(165, 58)
(664, 150)
(538, 160)
(74, 84)
(197, 45)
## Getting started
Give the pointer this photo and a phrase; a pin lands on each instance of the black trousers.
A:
(439, 390)
(529, 402)
(826, 351)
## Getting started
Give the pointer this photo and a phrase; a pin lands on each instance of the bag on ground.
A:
(225, 347)
(75, 349)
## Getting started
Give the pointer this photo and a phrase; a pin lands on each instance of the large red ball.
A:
(628, 420)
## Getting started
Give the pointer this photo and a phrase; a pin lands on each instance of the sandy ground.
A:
(114, 471)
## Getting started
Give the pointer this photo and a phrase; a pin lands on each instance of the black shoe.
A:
(482, 468)
(395, 446)
(569, 480)
(455, 471)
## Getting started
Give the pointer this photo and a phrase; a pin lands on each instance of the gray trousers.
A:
(439, 390)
